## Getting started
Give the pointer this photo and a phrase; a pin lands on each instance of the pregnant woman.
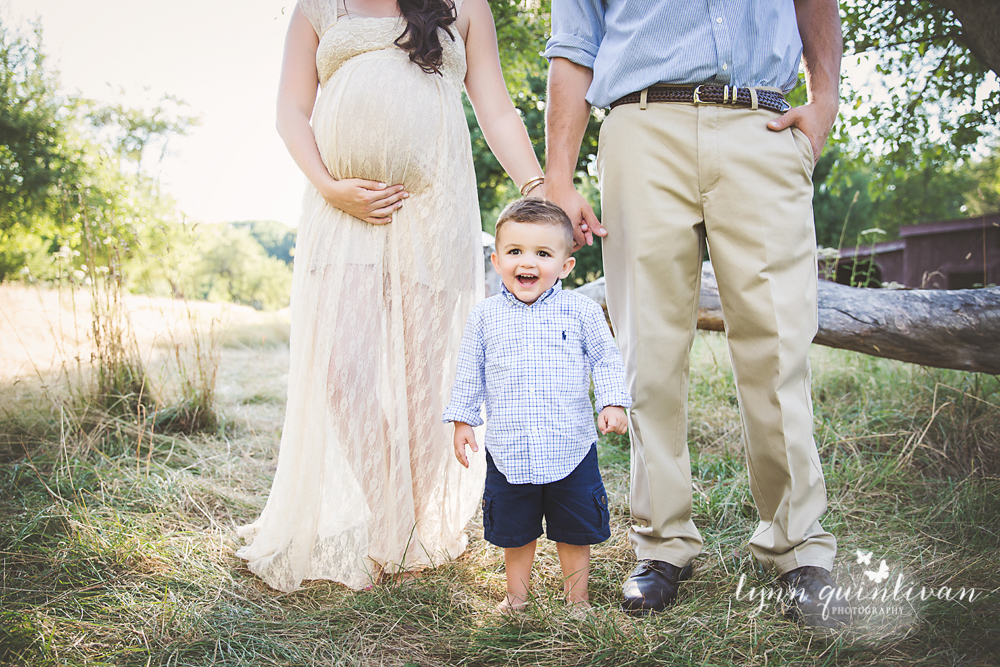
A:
(388, 264)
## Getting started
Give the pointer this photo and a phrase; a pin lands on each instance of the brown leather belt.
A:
(704, 94)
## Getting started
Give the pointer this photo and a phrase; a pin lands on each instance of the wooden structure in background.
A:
(950, 254)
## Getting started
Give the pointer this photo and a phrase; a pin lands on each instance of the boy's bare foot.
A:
(512, 609)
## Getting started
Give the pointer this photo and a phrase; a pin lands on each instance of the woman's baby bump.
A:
(381, 119)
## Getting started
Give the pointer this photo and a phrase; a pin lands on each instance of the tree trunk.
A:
(957, 329)
(980, 21)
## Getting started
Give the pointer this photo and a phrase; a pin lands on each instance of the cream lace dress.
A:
(366, 477)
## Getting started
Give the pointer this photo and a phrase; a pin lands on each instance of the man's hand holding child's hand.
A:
(464, 436)
(612, 418)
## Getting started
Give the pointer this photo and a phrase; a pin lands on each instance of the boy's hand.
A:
(464, 436)
(612, 418)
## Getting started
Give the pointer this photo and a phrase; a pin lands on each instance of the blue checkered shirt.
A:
(531, 364)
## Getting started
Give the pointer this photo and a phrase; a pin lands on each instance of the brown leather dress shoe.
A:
(813, 601)
(652, 586)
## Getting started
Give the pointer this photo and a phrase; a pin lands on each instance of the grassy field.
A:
(116, 545)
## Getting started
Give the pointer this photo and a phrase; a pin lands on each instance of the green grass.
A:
(120, 552)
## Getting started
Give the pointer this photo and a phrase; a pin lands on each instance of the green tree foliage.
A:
(129, 132)
(78, 203)
(232, 266)
(70, 167)
(938, 81)
(853, 194)
(523, 27)
(986, 174)
(278, 240)
(222, 262)
(842, 206)
(38, 153)
(74, 174)
(932, 186)
(912, 150)
(33, 155)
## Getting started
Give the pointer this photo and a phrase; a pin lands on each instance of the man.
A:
(700, 146)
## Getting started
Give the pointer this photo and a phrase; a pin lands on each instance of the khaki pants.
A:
(674, 176)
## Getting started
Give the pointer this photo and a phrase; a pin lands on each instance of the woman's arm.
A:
(367, 200)
(499, 120)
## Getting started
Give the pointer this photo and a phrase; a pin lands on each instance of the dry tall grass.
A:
(117, 547)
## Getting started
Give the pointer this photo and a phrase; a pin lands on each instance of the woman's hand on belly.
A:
(370, 201)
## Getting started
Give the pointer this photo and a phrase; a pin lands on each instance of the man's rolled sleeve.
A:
(577, 31)
(605, 361)
(469, 389)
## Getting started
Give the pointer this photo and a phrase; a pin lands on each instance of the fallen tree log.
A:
(957, 329)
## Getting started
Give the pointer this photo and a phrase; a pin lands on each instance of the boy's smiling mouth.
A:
(525, 280)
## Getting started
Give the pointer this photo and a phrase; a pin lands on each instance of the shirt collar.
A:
(546, 295)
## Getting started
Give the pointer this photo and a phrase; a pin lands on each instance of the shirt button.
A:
(531, 390)
(725, 66)
(718, 20)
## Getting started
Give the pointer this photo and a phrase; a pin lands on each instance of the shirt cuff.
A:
(468, 416)
(622, 400)
(573, 48)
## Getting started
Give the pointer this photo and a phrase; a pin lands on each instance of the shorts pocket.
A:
(487, 512)
(600, 497)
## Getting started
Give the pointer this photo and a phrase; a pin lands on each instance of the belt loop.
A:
(753, 98)
(725, 94)
(642, 99)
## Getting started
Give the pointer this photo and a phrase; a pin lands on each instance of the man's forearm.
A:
(566, 116)
(822, 49)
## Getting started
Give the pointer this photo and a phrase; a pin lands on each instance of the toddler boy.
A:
(527, 354)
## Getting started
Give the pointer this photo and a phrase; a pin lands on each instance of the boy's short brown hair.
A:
(536, 211)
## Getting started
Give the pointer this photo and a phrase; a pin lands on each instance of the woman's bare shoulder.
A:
(471, 12)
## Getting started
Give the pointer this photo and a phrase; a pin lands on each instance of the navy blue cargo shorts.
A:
(575, 507)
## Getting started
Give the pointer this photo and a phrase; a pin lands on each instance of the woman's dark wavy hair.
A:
(420, 39)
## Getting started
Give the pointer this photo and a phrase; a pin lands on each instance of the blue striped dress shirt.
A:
(634, 44)
(531, 365)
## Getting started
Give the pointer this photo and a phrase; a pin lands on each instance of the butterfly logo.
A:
(864, 557)
(881, 575)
